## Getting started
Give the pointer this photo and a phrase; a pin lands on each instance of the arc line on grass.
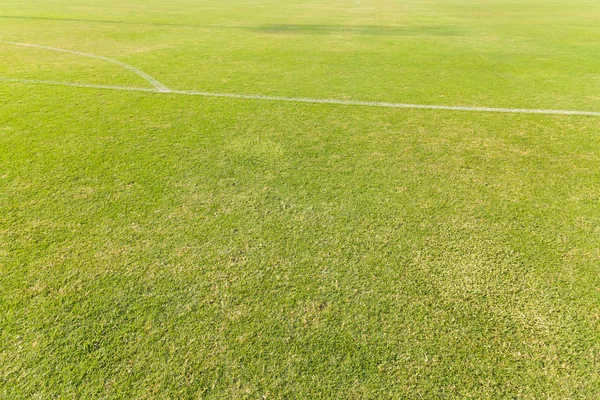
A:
(309, 100)
(154, 82)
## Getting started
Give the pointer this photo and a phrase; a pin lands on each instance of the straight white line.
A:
(384, 104)
(154, 82)
(309, 100)
(80, 85)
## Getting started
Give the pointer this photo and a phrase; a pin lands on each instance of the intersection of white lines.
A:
(158, 87)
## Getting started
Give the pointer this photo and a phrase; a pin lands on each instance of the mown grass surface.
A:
(163, 246)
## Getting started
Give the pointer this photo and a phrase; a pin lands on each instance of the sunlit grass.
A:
(165, 246)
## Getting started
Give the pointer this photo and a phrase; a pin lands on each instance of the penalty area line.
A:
(308, 100)
(80, 85)
(153, 81)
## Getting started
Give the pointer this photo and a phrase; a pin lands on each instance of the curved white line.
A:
(312, 101)
(154, 82)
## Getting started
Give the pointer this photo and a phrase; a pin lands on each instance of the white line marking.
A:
(154, 82)
(81, 85)
(308, 100)
(384, 104)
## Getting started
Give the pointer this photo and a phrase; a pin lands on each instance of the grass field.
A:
(162, 245)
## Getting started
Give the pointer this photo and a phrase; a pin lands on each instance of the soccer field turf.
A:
(163, 243)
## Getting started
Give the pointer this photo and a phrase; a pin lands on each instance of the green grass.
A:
(167, 246)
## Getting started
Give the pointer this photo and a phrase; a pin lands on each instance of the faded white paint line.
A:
(384, 104)
(81, 85)
(160, 88)
(311, 101)
(154, 82)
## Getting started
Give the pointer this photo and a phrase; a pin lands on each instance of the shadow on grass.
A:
(100, 21)
(364, 30)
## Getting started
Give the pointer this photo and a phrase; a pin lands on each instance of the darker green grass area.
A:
(360, 30)
(278, 29)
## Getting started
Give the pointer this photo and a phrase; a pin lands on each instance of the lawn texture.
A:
(167, 246)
